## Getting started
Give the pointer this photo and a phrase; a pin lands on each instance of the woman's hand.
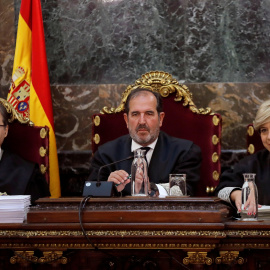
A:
(236, 198)
(250, 205)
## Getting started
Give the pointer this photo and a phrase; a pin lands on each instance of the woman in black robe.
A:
(229, 188)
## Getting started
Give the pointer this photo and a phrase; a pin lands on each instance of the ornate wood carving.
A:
(163, 83)
(14, 115)
(197, 258)
(54, 257)
(151, 204)
(106, 233)
(229, 257)
(24, 257)
(49, 257)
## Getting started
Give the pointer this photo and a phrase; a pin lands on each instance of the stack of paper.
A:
(14, 209)
(263, 213)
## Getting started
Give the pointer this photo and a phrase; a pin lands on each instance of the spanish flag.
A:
(30, 91)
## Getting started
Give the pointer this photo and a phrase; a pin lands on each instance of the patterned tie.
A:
(146, 148)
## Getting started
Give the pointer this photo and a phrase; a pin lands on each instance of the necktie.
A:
(146, 148)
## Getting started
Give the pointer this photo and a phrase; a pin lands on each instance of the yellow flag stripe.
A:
(23, 51)
(38, 116)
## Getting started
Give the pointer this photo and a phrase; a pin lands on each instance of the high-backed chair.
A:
(254, 142)
(28, 141)
(182, 119)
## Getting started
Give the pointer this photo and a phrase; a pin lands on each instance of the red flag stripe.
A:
(40, 75)
(26, 12)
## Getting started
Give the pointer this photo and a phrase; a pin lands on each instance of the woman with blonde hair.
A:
(229, 188)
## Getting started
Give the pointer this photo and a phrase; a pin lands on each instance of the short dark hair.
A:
(136, 92)
(4, 113)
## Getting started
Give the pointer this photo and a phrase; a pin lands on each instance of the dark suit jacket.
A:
(258, 163)
(21, 177)
(171, 155)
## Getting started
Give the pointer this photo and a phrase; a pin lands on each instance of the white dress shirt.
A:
(135, 146)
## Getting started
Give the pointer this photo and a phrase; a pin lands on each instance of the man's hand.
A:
(119, 178)
(138, 180)
(153, 190)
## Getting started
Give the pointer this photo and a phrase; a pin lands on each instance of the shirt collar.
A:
(135, 146)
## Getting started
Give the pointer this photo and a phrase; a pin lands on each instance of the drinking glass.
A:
(177, 184)
(249, 192)
(139, 175)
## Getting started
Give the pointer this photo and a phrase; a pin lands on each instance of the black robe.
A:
(171, 155)
(258, 163)
(21, 177)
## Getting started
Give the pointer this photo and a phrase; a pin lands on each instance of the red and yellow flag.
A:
(30, 91)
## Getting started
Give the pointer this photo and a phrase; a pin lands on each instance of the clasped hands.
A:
(121, 178)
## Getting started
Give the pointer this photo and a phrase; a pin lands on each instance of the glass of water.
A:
(177, 183)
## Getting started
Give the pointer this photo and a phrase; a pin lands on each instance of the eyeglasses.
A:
(3, 125)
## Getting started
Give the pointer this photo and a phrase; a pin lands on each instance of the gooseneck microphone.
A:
(107, 165)
(101, 188)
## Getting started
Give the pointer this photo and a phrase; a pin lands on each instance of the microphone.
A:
(101, 188)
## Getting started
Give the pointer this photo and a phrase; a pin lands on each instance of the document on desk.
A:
(264, 212)
(14, 208)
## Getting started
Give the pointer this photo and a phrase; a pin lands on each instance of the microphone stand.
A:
(101, 188)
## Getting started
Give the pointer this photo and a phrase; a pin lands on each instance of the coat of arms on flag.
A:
(19, 92)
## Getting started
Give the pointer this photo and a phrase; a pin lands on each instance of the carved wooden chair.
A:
(182, 119)
(254, 142)
(27, 140)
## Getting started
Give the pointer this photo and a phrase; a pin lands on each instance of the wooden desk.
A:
(132, 233)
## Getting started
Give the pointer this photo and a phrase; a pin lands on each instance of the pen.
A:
(124, 181)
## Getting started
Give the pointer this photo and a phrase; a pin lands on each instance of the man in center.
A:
(167, 155)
